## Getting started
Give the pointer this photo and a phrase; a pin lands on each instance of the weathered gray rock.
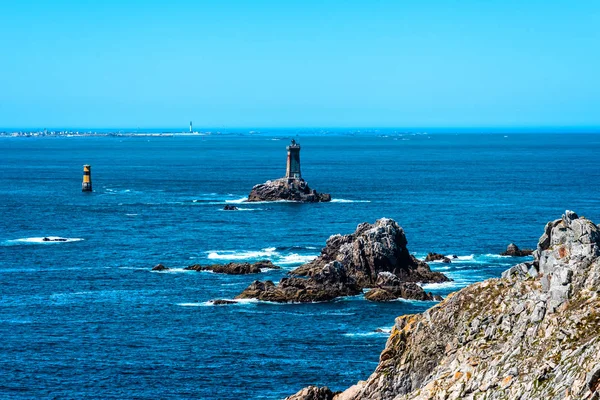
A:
(371, 249)
(533, 334)
(287, 189)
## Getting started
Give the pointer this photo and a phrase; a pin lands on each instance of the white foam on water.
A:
(40, 240)
(131, 215)
(238, 201)
(443, 285)
(367, 334)
(349, 201)
(240, 255)
(296, 259)
(204, 304)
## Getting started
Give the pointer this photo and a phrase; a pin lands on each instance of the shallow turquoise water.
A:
(87, 318)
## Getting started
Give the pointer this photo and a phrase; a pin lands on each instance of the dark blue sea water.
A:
(87, 318)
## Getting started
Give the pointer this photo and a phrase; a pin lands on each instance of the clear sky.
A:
(299, 63)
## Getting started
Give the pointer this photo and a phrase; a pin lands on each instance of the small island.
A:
(291, 187)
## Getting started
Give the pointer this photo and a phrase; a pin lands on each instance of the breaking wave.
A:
(42, 240)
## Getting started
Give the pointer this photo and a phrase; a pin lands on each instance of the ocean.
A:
(87, 318)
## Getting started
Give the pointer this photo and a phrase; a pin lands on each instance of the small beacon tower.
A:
(293, 162)
(86, 186)
(191, 128)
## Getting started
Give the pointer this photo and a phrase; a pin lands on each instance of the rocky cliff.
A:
(532, 334)
(374, 256)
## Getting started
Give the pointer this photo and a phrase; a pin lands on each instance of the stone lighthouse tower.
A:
(292, 171)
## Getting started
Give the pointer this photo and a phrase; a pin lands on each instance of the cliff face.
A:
(532, 334)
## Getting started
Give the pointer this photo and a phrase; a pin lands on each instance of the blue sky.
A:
(300, 63)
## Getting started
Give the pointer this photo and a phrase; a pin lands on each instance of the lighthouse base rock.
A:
(532, 334)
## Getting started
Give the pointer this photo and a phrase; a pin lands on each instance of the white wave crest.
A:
(296, 259)
(43, 240)
(240, 255)
(349, 201)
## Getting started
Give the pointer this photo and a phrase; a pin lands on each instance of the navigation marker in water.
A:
(86, 186)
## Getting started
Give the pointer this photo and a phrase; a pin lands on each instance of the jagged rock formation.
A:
(371, 249)
(533, 334)
(514, 251)
(287, 189)
(350, 263)
(331, 282)
(389, 287)
(235, 268)
(437, 257)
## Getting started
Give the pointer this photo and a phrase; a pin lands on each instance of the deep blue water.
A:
(87, 318)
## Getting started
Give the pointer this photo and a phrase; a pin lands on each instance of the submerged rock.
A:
(350, 263)
(514, 251)
(159, 267)
(229, 207)
(533, 334)
(235, 268)
(287, 189)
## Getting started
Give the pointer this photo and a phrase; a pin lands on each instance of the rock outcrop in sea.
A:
(292, 187)
(351, 263)
(514, 251)
(532, 334)
(235, 268)
(284, 189)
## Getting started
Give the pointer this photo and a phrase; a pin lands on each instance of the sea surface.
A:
(87, 318)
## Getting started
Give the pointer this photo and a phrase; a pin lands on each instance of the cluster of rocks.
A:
(532, 334)
(514, 251)
(389, 287)
(438, 257)
(287, 189)
(229, 207)
(230, 268)
(374, 256)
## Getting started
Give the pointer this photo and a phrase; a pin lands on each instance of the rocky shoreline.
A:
(532, 334)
